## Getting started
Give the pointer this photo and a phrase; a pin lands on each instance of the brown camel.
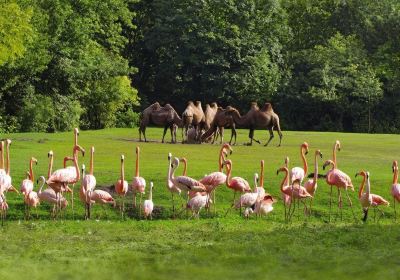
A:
(193, 115)
(265, 118)
(160, 116)
(221, 120)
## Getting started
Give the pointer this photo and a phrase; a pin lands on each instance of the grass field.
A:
(212, 247)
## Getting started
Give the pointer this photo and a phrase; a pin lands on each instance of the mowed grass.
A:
(214, 246)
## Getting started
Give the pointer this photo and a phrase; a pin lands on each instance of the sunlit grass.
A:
(213, 247)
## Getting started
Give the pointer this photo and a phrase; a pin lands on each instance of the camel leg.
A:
(221, 134)
(251, 134)
(271, 136)
(280, 137)
(165, 132)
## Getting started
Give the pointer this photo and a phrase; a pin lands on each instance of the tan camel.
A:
(265, 118)
(221, 120)
(209, 114)
(193, 115)
(160, 116)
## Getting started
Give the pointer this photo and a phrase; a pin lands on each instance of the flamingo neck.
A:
(43, 182)
(361, 187)
(122, 173)
(334, 153)
(78, 173)
(395, 175)
(220, 160)
(91, 162)
(169, 179)
(151, 193)
(137, 164)
(184, 168)
(8, 159)
(31, 171)
(303, 157)
(2, 155)
(284, 181)
(368, 187)
(50, 167)
(315, 169)
(262, 174)
(228, 174)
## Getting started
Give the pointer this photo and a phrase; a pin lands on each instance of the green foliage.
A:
(15, 31)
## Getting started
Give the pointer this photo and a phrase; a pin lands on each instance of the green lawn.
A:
(212, 247)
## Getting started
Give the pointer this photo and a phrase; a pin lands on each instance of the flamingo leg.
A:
(374, 214)
(134, 199)
(233, 203)
(173, 205)
(140, 205)
(311, 201)
(330, 205)
(394, 207)
(382, 214)
(214, 202)
(284, 205)
(350, 204)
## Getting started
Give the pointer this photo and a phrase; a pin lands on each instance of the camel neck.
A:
(360, 192)
(303, 157)
(91, 161)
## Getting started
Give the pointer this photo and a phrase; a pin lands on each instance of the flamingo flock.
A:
(198, 193)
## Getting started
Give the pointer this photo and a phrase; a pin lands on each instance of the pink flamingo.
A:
(3, 208)
(32, 201)
(101, 197)
(184, 183)
(89, 182)
(298, 173)
(60, 178)
(121, 186)
(311, 184)
(27, 184)
(341, 180)
(248, 199)
(50, 196)
(196, 203)
(336, 147)
(215, 179)
(395, 187)
(237, 184)
(148, 204)
(265, 205)
(5, 179)
(138, 183)
(369, 199)
(170, 184)
(292, 192)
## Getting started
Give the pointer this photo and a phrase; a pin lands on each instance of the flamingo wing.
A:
(187, 183)
(378, 200)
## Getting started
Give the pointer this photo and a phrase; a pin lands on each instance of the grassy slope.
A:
(209, 248)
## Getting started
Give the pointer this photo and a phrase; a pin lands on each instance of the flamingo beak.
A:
(277, 172)
(320, 154)
(356, 174)
(306, 152)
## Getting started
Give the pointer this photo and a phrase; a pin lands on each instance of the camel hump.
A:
(254, 105)
(155, 106)
(197, 103)
(168, 107)
(214, 105)
(267, 107)
(190, 103)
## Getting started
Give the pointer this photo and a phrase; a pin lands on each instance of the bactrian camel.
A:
(165, 116)
(264, 118)
(221, 120)
(193, 115)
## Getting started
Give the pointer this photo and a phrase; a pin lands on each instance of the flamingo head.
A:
(83, 168)
(122, 158)
(337, 145)
(50, 154)
(318, 152)
(284, 168)
(137, 149)
(394, 166)
(305, 147)
(8, 142)
(328, 162)
(287, 161)
(151, 185)
(175, 163)
(76, 131)
(361, 173)
(80, 149)
(92, 149)
(367, 175)
(34, 160)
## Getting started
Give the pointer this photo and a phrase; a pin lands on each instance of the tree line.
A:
(328, 65)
